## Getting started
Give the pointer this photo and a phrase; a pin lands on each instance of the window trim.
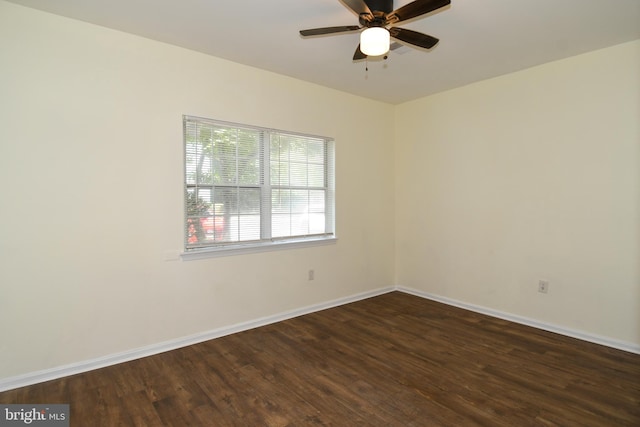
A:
(273, 243)
(255, 247)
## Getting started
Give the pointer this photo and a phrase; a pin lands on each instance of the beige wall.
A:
(528, 176)
(91, 193)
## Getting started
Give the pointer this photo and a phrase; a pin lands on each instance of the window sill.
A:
(251, 248)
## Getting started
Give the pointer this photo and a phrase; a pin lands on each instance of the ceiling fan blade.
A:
(358, 6)
(413, 37)
(416, 8)
(358, 55)
(328, 30)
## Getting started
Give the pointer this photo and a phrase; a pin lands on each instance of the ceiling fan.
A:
(377, 18)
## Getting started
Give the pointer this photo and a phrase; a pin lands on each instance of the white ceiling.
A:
(479, 39)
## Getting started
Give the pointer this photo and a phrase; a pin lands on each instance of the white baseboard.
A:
(150, 350)
(620, 345)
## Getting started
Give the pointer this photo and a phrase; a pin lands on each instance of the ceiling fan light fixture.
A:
(375, 41)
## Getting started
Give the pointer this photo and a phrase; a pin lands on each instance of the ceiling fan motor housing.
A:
(385, 6)
(379, 9)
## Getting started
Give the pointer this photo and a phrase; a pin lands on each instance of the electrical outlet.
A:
(543, 286)
(311, 274)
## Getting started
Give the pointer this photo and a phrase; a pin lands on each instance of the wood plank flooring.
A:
(391, 360)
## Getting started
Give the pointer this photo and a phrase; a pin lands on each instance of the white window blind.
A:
(251, 185)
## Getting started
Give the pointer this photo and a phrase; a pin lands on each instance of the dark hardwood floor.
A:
(392, 360)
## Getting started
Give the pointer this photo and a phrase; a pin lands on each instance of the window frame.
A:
(266, 242)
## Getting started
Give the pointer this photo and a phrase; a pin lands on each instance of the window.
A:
(247, 186)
